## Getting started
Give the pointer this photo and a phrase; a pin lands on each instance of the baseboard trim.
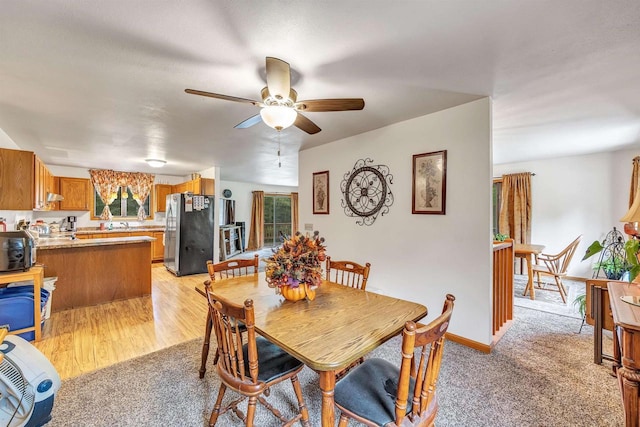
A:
(484, 348)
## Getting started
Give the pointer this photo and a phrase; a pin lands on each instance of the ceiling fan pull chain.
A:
(279, 163)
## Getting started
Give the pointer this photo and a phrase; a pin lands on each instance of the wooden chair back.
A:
(558, 264)
(423, 403)
(227, 318)
(348, 273)
(232, 268)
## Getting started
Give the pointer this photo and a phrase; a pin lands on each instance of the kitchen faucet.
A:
(126, 224)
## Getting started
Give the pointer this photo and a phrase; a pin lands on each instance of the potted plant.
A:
(613, 267)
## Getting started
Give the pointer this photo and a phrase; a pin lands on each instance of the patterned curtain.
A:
(140, 185)
(515, 212)
(294, 213)
(634, 179)
(106, 183)
(256, 230)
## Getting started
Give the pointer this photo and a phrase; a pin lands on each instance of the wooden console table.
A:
(36, 274)
(626, 348)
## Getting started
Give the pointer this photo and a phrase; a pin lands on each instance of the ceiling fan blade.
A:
(278, 78)
(340, 104)
(249, 122)
(306, 125)
(225, 97)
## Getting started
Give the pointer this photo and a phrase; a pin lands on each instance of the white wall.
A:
(576, 195)
(418, 257)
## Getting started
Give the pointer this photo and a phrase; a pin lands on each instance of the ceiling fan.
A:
(280, 107)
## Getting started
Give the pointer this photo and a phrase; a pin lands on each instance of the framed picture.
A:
(429, 183)
(321, 192)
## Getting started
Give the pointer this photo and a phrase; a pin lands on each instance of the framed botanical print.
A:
(321, 192)
(429, 183)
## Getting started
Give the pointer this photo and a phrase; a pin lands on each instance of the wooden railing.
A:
(502, 288)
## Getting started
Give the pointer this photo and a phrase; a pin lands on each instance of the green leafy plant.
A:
(581, 303)
(498, 237)
(613, 267)
(615, 264)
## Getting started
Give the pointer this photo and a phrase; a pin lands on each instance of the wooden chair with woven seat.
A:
(378, 393)
(249, 368)
(223, 270)
(555, 266)
(348, 273)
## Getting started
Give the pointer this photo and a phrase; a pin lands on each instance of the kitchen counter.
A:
(93, 230)
(66, 242)
(95, 271)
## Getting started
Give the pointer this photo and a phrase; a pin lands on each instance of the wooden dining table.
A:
(327, 334)
(528, 251)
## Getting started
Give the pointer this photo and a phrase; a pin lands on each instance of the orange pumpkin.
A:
(311, 293)
(293, 294)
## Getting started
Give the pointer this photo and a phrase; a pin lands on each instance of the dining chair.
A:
(249, 368)
(378, 393)
(348, 273)
(222, 270)
(556, 266)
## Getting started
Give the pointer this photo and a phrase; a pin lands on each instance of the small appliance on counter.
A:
(17, 251)
(70, 223)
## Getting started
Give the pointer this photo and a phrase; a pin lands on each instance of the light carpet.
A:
(540, 374)
(547, 299)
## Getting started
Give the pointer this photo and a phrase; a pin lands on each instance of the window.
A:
(120, 208)
(277, 218)
(497, 201)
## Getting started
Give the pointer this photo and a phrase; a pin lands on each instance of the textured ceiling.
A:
(101, 84)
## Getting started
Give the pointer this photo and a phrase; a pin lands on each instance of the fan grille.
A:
(12, 388)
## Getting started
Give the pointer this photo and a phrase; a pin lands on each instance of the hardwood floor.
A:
(81, 340)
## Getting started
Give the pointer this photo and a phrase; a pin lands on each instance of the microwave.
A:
(17, 251)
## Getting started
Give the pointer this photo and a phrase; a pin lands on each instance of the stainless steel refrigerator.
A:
(188, 234)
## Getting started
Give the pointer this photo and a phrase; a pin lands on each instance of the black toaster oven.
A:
(17, 251)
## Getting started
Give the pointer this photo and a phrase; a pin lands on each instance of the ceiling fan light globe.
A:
(278, 116)
(155, 163)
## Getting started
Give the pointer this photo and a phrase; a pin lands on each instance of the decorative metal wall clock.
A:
(366, 191)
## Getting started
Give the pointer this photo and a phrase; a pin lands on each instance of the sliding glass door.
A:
(277, 218)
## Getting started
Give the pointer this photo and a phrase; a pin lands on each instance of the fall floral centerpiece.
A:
(295, 269)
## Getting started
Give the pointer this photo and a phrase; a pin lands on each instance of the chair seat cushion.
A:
(369, 391)
(273, 362)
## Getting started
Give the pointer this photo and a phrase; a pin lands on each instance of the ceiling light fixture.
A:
(156, 163)
(278, 116)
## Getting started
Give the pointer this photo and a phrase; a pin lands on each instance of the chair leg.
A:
(561, 289)
(216, 409)
(301, 405)
(343, 420)
(251, 411)
(205, 346)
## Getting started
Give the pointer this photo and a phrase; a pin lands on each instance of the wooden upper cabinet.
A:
(204, 186)
(76, 192)
(16, 180)
(161, 191)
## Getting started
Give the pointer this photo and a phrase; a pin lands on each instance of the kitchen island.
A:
(95, 271)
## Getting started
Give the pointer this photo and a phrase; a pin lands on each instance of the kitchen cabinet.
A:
(43, 185)
(157, 247)
(76, 193)
(204, 186)
(161, 191)
(16, 180)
